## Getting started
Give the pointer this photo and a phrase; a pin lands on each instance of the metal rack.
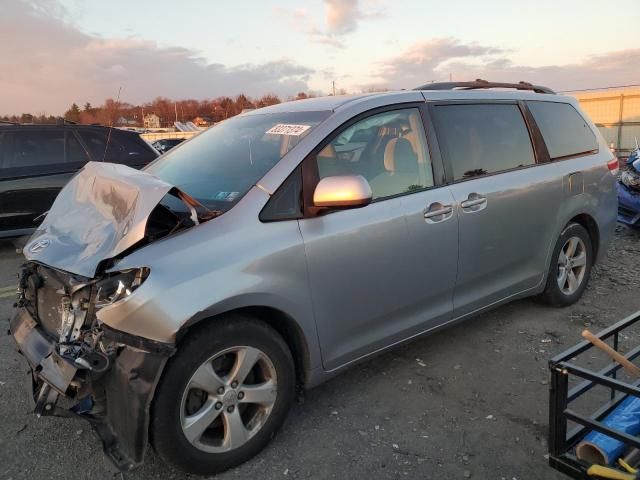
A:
(562, 442)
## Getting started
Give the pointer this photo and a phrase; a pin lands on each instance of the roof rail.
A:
(60, 121)
(479, 83)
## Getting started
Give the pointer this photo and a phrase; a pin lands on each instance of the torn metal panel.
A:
(129, 388)
(116, 402)
(99, 214)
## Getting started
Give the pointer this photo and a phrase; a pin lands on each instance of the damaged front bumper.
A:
(116, 401)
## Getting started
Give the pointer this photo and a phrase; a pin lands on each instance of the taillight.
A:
(614, 166)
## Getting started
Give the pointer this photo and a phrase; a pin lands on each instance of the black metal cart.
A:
(562, 396)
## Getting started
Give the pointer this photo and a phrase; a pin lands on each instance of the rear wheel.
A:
(570, 267)
(223, 396)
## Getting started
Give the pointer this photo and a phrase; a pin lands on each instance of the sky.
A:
(55, 52)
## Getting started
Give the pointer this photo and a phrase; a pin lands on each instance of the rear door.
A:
(506, 203)
(381, 273)
(33, 169)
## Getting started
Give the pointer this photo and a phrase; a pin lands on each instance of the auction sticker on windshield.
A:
(288, 129)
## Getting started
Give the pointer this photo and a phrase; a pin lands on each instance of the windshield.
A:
(221, 164)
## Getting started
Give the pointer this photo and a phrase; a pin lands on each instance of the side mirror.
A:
(345, 191)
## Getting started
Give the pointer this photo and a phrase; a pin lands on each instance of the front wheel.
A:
(570, 267)
(223, 396)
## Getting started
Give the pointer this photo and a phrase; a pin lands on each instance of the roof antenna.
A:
(106, 147)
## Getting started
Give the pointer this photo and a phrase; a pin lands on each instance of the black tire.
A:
(553, 295)
(167, 436)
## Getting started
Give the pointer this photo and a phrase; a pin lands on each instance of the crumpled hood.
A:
(100, 213)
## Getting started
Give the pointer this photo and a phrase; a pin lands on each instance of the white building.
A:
(151, 120)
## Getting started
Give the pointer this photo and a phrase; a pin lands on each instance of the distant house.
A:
(151, 120)
(203, 121)
(126, 121)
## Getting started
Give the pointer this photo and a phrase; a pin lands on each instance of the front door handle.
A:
(474, 203)
(437, 212)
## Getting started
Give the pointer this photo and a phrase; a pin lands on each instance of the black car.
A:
(36, 161)
(166, 144)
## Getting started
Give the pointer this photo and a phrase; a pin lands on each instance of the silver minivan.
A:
(184, 305)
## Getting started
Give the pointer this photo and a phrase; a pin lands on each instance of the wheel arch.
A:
(590, 224)
(281, 322)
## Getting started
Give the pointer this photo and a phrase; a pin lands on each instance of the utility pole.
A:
(175, 106)
(333, 85)
(451, 77)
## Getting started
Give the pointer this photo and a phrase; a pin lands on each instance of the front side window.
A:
(220, 165)
(564, 130)
(482, 139)
(389, 149)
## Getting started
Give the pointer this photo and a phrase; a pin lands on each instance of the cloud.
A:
(322, 38)
(422, 60)
(435, 59)
(342, 15)
(47, 64)
(341, 18)
(299, 21)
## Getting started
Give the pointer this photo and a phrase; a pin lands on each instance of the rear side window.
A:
(96, 143)
(564, 130)
(32, 148)
(482, 139)
(75, 152)
(123, 147)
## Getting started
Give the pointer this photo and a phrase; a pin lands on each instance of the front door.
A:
(381, 273)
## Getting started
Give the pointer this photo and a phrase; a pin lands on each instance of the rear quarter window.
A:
(132, 147)
(565, 131)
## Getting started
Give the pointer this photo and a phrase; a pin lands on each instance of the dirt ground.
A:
(467, 402)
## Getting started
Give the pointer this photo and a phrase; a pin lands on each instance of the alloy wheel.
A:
(572, 265)
(228, 399)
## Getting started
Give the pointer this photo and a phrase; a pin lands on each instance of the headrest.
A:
(399, 157)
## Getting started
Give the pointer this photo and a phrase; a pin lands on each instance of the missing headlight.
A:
(119, 285)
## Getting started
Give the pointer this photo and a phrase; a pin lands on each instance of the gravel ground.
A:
(467, 402)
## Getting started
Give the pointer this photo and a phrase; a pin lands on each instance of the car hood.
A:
(99, 214)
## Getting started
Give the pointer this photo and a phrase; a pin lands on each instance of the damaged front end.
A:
(80, 366)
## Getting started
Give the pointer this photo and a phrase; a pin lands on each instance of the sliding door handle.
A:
(473, 203)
